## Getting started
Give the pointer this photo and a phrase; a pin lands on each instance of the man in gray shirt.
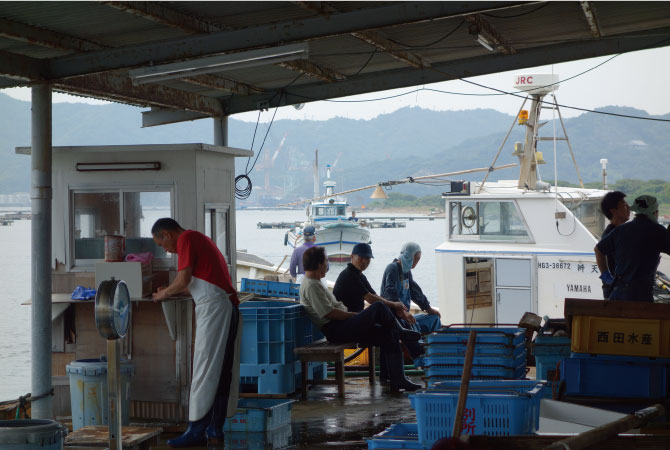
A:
(375, 325)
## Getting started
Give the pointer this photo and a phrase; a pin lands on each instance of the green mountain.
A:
(407, 142)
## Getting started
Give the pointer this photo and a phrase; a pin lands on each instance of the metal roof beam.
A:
(266, 35)
(164, 116)
(22, 67)
(313, 70)
(480, 26)
(223, 84)
(465, 68)
(121, 89)
(159, 13)
(396, 51)
(45, 38)
(591, 19)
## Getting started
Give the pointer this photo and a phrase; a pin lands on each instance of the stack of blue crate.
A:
(495, 408)
(500, 353)
(271, 330)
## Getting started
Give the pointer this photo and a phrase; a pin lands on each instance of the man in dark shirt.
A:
(637, 246)
(617, 211)
(353, 289)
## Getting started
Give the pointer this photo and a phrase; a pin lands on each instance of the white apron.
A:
(213, 311)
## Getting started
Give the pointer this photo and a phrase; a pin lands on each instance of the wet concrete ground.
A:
(324, 421)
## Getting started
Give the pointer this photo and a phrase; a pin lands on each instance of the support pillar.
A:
(40, 195)
(221, 131)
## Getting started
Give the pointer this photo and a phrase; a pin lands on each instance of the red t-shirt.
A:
(197, 251)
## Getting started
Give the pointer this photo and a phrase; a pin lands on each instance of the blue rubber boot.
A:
(194, 436)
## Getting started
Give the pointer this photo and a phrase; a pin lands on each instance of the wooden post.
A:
(604, 432)
(465, 383)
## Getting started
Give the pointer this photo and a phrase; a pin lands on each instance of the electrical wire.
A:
(432, 43)
(364, 65)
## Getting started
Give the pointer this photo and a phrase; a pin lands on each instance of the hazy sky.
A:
(636, 79)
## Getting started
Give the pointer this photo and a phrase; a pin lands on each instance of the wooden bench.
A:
(324, 351)
(133, 438)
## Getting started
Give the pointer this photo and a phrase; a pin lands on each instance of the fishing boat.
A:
(336, 230)
(519, 245)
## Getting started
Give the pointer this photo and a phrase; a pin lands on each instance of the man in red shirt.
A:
(203, 272)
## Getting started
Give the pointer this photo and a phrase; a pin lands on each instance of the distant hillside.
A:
(407, 142)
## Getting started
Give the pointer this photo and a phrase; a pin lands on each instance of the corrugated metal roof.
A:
(342, 36)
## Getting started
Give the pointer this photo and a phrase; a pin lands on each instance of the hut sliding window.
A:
(217, 227)
(126, 212)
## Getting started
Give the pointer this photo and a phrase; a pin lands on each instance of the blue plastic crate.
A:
(480, 349)
(259, 414)
(513, 361)
(398, 435)
(546, 366)
(269, 332)
(494, 408)
(622, 378)
(477, 371)
(551, 346)
(273, 439)
(269, 378)
(270, 288)
(502, 335)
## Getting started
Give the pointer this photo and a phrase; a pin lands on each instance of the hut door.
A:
(513, 289)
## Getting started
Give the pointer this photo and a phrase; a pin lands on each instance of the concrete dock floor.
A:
(325, 421)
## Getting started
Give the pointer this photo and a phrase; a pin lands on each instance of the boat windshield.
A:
(332, 210)
(487, 221)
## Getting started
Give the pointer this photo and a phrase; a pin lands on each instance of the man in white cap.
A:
(637, 246)
(296, 268)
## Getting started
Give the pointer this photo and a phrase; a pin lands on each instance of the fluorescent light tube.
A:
(485, 43)
(219, 63)
(107, 167)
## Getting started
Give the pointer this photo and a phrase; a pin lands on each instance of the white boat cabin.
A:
(510, 250)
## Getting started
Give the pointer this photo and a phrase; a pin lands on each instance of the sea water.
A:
(266, 243)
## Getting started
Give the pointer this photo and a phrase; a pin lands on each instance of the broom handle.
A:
(465, 383)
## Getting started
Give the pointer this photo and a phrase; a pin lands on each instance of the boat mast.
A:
(329, 185)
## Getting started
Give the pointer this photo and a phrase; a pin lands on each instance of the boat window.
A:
(487, 220)
(341, 210)
(124, 212)
(588, 213)
(217, 227)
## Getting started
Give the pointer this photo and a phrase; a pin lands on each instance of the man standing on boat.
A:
(617, 211)
(203, 271)
(296, 268)
(637, 246)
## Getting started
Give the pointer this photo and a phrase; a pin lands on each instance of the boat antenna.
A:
(481, 186)
(316, 172)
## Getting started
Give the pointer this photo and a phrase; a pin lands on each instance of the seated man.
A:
(353, 289)
(375, 325)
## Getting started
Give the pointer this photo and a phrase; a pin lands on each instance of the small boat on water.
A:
(336, 230)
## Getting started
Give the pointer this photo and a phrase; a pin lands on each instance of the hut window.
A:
(217, 227)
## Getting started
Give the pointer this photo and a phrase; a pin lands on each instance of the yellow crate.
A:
(620, 336)
(360, 360)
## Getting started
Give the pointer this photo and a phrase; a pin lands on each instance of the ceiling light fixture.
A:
(485, 43)
(118, 166)
(219, 63)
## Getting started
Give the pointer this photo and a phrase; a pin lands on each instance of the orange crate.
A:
(620, 336)
(360, 360)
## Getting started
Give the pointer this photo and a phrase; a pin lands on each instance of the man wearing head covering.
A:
(617, 211)
(296, 269)
(637, 246)
(398, 285)
(353, 289)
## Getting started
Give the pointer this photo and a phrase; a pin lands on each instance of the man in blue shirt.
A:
(617, 211)
(637, 246)
(296, 268)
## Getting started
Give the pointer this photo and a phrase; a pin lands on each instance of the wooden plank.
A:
(628, 310)
(98, 436)
(59, 361)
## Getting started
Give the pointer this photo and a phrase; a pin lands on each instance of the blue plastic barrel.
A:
(31, 434)
(88, 392)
